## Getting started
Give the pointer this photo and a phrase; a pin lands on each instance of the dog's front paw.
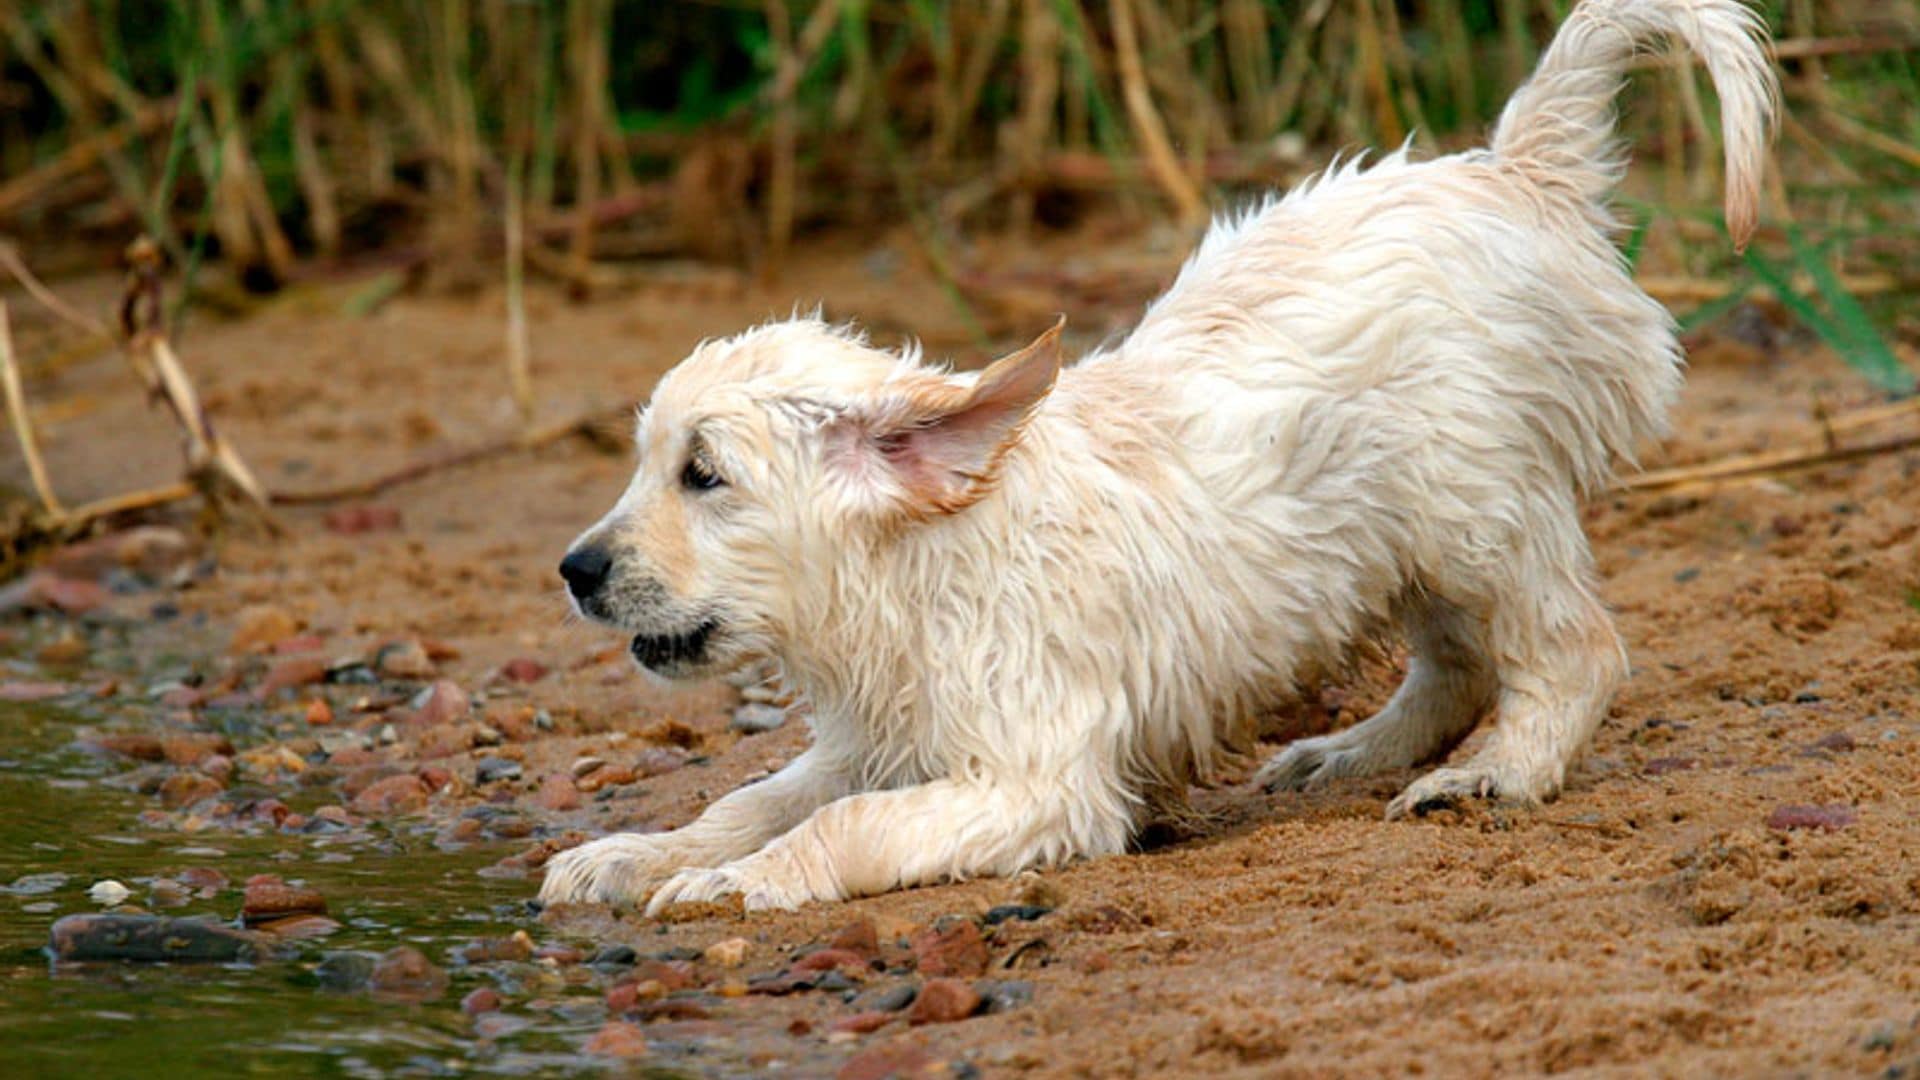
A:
(614, 870)
(764, 882)
(1308, 763)
(1445, 788)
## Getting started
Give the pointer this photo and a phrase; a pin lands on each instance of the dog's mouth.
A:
(665, 652)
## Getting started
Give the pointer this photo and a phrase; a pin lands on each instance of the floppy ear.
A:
(935, 445)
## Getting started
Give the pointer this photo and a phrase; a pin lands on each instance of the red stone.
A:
(952, 946)
(618, 1039)
(830, 959)
(395, 795)
(862, 1023)
(942, 1001)
(295, 671)
(484, 1000)
(558, 793)
(354, 520)
(523, 670)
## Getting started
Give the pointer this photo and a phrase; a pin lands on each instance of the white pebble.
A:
(109, 893)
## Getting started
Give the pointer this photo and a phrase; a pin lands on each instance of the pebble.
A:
(293, 672)
(68, 648)
(405, 974)
(557, 793)
(831, 960)
(493, 769)
(516, 948)
(756, 719)
(299, 927)
(952, 946)
(150, 938)
(1831, 818)
(268, 898)
(895, 998)
(618, 1039)
(401, 794)
(26, 690)
(1838, 741)
(862, 1023)
(942, 1001)
(128, 744)
(484, 1000)
(859, 937)
(623, 997)
(436, 777)
(658, 760)
(1022, 912)
(607, 777)
(406, 659)
(1003, 995)
(37, 884)
(896, 1061)
(260, 627)
(613, 956)
(523, 670)
(344, 970)
(730, 953)
(319, 713)
(186, 788)
(108, 893)
(443, 703)
(582, 767)
(192, 747)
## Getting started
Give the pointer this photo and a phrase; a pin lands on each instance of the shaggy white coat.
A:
(1028, 610)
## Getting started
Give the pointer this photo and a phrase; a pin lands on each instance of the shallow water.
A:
(387, 888)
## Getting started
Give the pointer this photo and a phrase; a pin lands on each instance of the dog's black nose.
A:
(585, 570)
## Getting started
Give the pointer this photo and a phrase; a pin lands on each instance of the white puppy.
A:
(1030, 606)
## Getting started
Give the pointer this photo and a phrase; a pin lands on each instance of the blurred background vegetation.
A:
(602, 143)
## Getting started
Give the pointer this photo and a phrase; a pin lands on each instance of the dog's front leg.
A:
(944, 830)
(623, 868)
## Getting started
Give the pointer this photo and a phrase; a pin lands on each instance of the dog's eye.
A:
(697, 477)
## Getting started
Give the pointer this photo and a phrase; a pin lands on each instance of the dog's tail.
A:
(1560, 123)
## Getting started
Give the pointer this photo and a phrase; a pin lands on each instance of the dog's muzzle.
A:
(665, 652)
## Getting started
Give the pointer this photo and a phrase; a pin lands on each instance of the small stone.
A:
(625, 996)
(108, 893)
(614, 956)
(437, 778)
(1838, 742)
(859, 937)
(344, 970)
(583, 767)
(658, 760)
(514, 948)
(137, 747)
(150, 938)
(405, 974)
(558, 794)
(291, 673)
(406, 659)
(609, 776)
(755, 719)
(952, 946)
(523, 670)
(895, 998)
(484, 1000)
(1662, 766)
(186, 788)
(862, 1023)
(260, 627)
(1022, 912)
(1831, 818)
(618, 1039)
(897, 1061)
(394, 795)
(831, 960)
(942, 1001)
(192, 747)
(29, 690)
(492, 769)
(1003, 995)
(730, 953)
(68, 648)
(319, 713)
(299, 927)
(269, 898)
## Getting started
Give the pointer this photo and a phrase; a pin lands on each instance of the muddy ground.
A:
(1665, 916)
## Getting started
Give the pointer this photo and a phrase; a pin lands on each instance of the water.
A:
(387, 888)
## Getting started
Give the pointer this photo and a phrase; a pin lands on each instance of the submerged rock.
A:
(150, 938)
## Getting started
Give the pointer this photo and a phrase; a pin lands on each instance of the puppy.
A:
(1030, 605)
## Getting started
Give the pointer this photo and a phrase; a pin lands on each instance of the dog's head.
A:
(764, 461)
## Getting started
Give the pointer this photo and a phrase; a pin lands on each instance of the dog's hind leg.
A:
(1558, 660)
(1449, 685)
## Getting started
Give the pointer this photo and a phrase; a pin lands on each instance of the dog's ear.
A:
(937, 446)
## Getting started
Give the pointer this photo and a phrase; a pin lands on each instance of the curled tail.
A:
(1561, 120)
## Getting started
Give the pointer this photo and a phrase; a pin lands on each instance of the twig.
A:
(531, 439)
(210, 459)
(81, 156)
(1872, 139)
(519, 374)
(1669, 289)
(1188, 203)
(15, 265)
(1749, 466)
(22, 423)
